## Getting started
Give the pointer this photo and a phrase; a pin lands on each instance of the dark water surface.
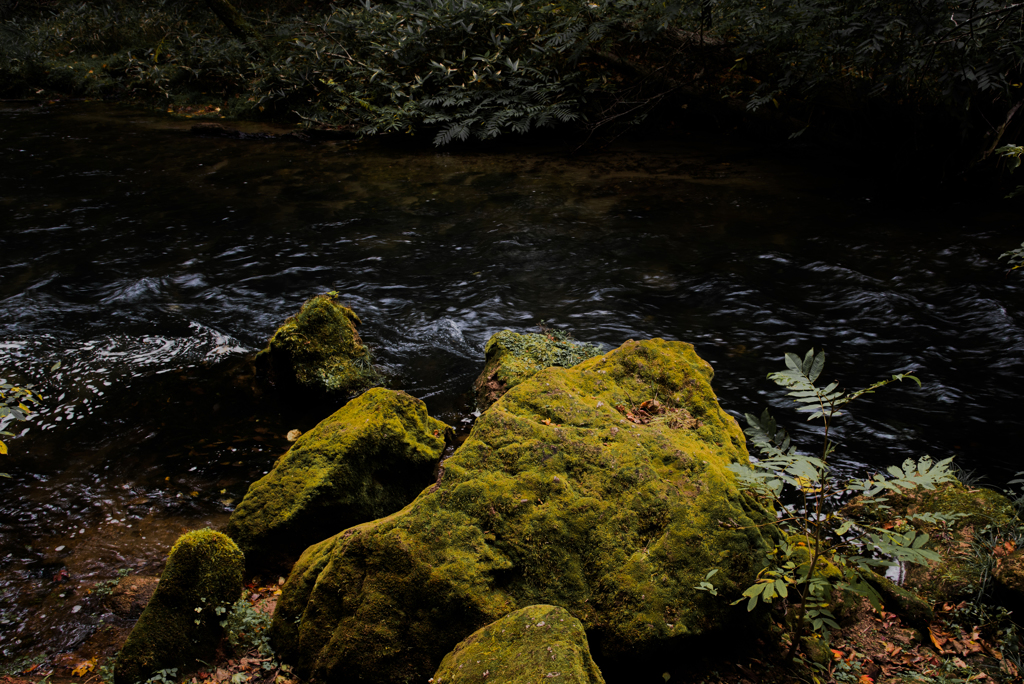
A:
(151, 262)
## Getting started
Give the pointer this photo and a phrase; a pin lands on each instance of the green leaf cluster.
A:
(14, 405)
(823, 552)
(1016, 257)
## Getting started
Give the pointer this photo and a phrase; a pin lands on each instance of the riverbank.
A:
(591, 73)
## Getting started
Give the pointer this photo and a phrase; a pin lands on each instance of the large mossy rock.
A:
(556, 497)
(527, 646)
(319, 350)
(512, 358)
(368, 459)
(180, 625)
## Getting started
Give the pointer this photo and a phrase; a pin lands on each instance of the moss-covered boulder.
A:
(527, 646)
(180, 624)
(511, 358)
(603, 488)
(319, 350)
(368, 459)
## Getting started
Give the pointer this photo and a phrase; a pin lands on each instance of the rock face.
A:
(318, 350)
(368, 459)
(512, 358)
(527, 646)
(601, 488)
(180, 625)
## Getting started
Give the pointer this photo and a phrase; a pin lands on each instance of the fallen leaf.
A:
(84, 667)
(864, 679)
(937, 639)
(293, 435)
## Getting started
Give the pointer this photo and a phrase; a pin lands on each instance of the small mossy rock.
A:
(180, 625)
(960, 573)
(319, 350)
(1009, 578)
(511, 358)
(527, 646)
(368, 459)
(556, 498)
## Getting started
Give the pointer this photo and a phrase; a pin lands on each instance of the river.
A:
(152, 262)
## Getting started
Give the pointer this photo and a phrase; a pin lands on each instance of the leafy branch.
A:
(823, 552)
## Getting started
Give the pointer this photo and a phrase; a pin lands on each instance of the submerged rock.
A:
(566, 492)
(368, 459)
(319, 350)
(512, 358)
(180, 625)
(526, 646)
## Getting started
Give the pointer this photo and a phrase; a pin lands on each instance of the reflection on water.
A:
(151, 263)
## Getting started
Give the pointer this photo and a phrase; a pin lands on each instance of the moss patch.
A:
(319, 350)
(960, 573)
(367, 460)
(180, 624)
(554, 498)
(512, 358)
(526, 646)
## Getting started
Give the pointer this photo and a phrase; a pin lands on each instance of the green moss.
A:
(512, 358)
(979, 507)
(180, 625)
(524, 647)
(368, 459)
(320, 350)
(801, 555)
(554, 498)
(817, 650)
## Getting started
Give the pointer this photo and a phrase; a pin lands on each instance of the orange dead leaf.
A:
(837, 655)
(546, 421)
(84, 667)
(938, 639)
(864, 679)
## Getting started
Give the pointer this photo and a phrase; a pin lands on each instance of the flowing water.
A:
(152, 263)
